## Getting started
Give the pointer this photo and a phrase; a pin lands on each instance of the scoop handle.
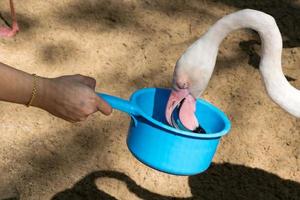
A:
(120, 104)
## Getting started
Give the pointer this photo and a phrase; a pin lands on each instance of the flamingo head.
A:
(191, 76)
(194, 68)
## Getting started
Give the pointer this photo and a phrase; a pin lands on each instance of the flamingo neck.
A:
(276, 84)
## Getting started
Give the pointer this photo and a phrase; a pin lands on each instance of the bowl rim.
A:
(224, 131)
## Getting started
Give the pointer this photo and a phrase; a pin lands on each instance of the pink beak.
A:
(187, 111)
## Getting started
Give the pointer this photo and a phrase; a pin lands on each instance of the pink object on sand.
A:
(10, 32)
(187, 111)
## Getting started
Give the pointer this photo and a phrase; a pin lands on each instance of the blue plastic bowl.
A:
(153, 142)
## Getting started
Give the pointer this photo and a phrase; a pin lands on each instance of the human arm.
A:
(69, 97)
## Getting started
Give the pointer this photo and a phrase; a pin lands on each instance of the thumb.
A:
(103, 106)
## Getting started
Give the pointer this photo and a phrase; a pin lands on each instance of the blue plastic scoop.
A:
(160, 146)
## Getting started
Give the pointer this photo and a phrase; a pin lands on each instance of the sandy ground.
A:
(131, 44)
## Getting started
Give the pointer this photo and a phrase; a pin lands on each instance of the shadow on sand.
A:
(220, 181)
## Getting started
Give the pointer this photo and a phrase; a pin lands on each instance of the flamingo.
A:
(10, 32)
(194, 68)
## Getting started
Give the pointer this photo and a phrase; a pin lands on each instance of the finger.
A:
(86, 80)
(64, 117)
(71, 121)
(80, 119)
(68, 119)
(103, 106)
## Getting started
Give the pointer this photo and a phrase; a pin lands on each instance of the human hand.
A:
(72, 97)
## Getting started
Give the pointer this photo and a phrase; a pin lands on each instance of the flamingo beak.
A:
(187, 110)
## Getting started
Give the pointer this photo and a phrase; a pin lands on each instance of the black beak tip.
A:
(200, 130)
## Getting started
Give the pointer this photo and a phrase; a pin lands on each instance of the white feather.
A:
(197, 63)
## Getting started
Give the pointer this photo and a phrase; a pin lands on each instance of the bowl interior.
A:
(153, 103)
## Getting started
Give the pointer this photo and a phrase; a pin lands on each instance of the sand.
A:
(127, 45)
